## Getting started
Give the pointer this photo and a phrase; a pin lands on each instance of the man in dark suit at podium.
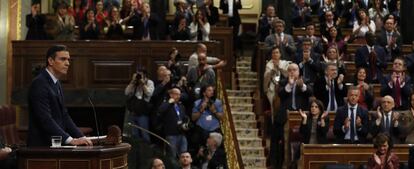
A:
(48, 115)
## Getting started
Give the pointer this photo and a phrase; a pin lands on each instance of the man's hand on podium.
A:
(81, 141)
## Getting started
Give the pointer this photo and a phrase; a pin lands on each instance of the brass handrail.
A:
(231, 145)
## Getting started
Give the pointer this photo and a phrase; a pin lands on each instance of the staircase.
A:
(241, 105)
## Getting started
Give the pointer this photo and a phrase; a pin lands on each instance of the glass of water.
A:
(56, 141)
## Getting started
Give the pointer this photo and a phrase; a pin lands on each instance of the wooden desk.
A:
(317, 155)
(98, 157)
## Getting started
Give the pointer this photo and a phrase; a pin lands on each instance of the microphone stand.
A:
(95, 116)
(153, 134)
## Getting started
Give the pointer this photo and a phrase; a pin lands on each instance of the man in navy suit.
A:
(397, 84)
(386, 120)
(351, 120)
(371, 57)
(48, 115)
(390, 40)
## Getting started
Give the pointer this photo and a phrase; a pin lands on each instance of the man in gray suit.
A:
(281, 39)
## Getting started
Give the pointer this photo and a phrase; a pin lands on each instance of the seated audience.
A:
(180, 31)
(114, 24)
(200, 76)
(390, 40)
(383, 157)
(371, 57)
(142, 88)
(65, 23)
(265, 23)
(397, 84)
(301, 14)
(283, 40)
(211, 12)
(293, 90)
(185, 161)
(174, 120)
(362, 25)
(89, 29)
(386, 120)
(207, 112)
(351, 120)
(409, 60)
(35, 22)
(274, 71)
(315, 124)
(213, 156)
(330, 88)
(407, 123)
(366, 97)
(199, 27)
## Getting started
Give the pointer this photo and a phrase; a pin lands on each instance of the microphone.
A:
(95, 116)
(149, 132)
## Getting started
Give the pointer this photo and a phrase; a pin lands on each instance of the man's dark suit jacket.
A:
(214, 17)
(48, 115)
(382, 40)
(218, 159)
(393, 131)
(341, 115)
(322, 93)
(139, 27)
(362, 60)
(405, 92)
(235, 20)
(301, 97)
(169, 118)
(265, 28)
(305, 130)
(35, 27)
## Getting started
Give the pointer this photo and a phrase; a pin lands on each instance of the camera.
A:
(186, 124)
(138, 76)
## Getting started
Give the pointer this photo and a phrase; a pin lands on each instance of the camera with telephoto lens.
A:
(138, 76)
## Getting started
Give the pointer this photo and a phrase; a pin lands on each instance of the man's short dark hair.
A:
(51, 52)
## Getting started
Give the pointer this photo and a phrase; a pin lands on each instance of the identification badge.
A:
(209, 118)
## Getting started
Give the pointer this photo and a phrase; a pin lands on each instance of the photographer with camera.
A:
(207, 112)
(212, 156)
(139, 92)
(175, 121)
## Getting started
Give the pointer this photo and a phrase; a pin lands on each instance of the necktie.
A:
(352, 125)
(332, 95)
(293, 97)
(177, 110)
(387, 124)
(146, 28)
(389, 37)
(59, 91)
(372, 62)
(397, 89)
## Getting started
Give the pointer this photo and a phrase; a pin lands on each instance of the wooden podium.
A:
(96, 157)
